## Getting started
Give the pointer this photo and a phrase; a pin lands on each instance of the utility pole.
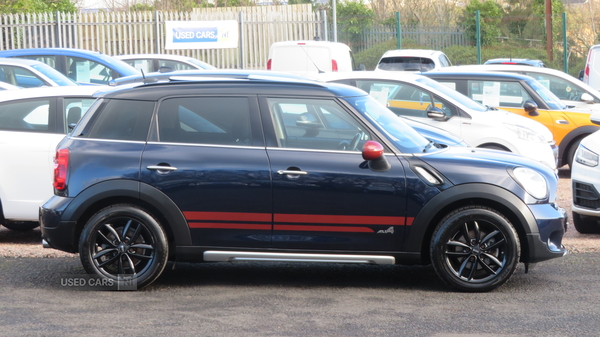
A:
(549, 29)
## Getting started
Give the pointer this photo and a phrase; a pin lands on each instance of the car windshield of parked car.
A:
(554, 103)
(406, 139)
(54, 75)
(403, 63)
(455, 95)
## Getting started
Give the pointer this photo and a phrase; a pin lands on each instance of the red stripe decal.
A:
(340, 219)
(228, 216)
(322, 228)
(220, 225)
(409, 221)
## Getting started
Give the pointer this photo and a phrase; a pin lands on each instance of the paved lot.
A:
(557, 298)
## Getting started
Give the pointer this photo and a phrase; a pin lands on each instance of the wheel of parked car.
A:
(124, 242)
(572, 149)
(585, 225)
(20, 226)
(475, 249)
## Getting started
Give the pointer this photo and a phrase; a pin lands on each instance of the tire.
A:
(21, 226)
(585, 225)
(571, 152)
(479, 236)
(106, 251)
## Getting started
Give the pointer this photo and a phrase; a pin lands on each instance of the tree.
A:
(352, 20)
(491, 16)
(37, 6)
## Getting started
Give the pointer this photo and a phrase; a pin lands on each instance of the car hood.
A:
(502, 116)
(462, 165)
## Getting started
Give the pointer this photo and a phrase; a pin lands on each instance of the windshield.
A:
(406, 139)
(54, 75)
(553, 102)
(453, 94)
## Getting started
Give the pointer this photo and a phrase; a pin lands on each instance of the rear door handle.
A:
(292, 172)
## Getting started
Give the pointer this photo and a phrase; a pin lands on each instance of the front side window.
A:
(122, 120)
(142, 65)
(20, 77)
(29, 116)
(175, 65)
(316, 124)
(87, 71)
(205, 120)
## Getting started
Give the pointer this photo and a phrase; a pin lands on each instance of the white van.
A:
(310, 57)
(591, 74)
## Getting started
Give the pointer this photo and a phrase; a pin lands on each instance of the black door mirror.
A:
(437, 114)
(531, 108)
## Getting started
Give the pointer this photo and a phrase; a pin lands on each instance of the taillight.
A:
(334, 66)
(61, 165)
(269, 64)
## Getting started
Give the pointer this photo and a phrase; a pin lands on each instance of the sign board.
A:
(201, 34)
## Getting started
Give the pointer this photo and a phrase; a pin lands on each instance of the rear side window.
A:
(205, 120)
(122, 120)
(29, 116)
(406, 64)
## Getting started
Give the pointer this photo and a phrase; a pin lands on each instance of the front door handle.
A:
(161, 168)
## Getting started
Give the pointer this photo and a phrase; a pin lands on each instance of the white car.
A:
(413, 60)
(163, 62)
(6, 86)
(585, 180)
(569, 89)
(32, 122)
(25, 73)
(424, 100)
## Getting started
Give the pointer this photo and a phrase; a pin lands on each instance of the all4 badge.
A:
(389, 230)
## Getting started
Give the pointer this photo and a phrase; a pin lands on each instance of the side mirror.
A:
(373, 153)
(585, 97)
(437, 114)
(531, 108)
(595, 118)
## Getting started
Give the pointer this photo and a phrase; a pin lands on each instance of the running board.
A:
(228, 256)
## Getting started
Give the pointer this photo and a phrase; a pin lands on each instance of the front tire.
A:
(475, 249)
(124, 243)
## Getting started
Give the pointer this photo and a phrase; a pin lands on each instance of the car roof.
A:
(520, 61)
(411, 52)
(83, 90)
(309, 43)
(249, 85)
(20, 62)
(124, 68)
(387, 75)
(153, 56)
(465, 74)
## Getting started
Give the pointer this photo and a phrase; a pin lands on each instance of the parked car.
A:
(32, 122)
(82, 66)
(591, 73)
(6, 86)
(526, 97)
(567, 88)
(273, 169)
(25, 73)
(163, 62)
(517, 61)
(435, 134)
(422, 99)
(415, 60)
(585, 180)
(310, 57)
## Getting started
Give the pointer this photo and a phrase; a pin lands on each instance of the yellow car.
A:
(524, 96)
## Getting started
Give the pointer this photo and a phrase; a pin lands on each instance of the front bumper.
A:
(547, 242)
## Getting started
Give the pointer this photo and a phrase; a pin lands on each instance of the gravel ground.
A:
(28, 244)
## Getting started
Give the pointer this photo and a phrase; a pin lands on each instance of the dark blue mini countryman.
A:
(272, 169)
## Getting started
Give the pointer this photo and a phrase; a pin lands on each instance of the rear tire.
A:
(475, 249)
(571, 153)
(585, 225)
(124, 243)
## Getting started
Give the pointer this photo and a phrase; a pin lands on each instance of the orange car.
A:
(527, 97)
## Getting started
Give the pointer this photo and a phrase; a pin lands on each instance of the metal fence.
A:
(115, 33)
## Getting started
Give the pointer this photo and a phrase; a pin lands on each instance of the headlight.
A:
(525, 133)
(586, 157)
(532, 182)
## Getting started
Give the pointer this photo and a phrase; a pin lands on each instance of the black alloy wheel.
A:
(124, 243)
(475, 248)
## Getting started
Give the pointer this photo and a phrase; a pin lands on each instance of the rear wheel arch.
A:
(569, 143)
(102, 195)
